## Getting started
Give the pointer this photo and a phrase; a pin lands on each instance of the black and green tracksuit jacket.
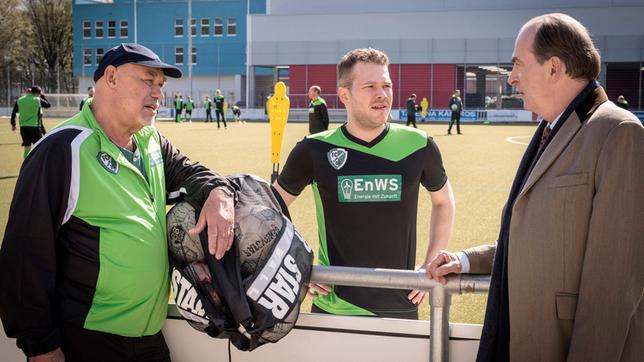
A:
(85, 242)
(318, 116)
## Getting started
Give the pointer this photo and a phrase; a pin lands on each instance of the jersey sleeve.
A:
(434, 176)
(197, 179)
(28, 260)
(298, 170)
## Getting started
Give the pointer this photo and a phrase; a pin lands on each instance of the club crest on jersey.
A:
(337, 157)
(108, 162)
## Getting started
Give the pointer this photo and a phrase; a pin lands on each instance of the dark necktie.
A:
(544, 135)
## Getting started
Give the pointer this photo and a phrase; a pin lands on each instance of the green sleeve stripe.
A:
(323, 256)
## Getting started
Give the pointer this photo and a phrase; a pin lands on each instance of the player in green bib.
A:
(365, 177)
(28, 108)
(189, 106)
(178, 108)
(207, 104)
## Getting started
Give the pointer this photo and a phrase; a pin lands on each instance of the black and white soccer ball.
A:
(184, 247)
(257, 227)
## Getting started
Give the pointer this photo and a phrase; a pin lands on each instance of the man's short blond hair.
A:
(349, 60)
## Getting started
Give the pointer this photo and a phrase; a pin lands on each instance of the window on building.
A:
(87, 29)
(194, 55)
(99, 55)
(111, 29)
(219, 26)
(124, 29)
(99, 28)
(205, 27)
(178, 27)
(232, 26)
(178, 55)
(87, 57)
(193, 27)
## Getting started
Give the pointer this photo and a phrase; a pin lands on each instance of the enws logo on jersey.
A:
(187, 299)
(108, 162)
(369, 188)
(337, 157)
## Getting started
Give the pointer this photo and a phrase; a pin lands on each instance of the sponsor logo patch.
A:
(337, 157)
(369, 188)
(108, 162)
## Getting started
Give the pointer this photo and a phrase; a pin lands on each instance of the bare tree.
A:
(52, 40)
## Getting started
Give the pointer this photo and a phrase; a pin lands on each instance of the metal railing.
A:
(440, 301)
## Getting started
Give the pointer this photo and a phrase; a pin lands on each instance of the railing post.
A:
(439, 321)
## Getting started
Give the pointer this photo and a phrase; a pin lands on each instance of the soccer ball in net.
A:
(184, 247)
(257, 227)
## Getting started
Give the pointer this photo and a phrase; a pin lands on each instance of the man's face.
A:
(138, 89)
(530, 78)
(312, 94)
(90, 92)
(369, 98)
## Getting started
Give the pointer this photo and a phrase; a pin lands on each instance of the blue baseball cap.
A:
(136, 54)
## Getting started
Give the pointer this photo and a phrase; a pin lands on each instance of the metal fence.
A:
(440, 301)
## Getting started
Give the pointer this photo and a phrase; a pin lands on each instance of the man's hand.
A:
(444, 263)
(417, 296)
(319, 289)
(53, 356)
(218, 214)
(13, 128)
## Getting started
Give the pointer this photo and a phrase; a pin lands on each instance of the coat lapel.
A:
(558, 144)
(583, 107)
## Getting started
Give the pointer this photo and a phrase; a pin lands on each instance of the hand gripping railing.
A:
(441, 295)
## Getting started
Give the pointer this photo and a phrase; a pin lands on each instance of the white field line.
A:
(514, 140)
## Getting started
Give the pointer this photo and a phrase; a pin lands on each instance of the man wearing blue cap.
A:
(90, 280)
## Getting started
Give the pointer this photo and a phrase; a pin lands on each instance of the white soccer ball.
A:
(256, 229)
(183, 246)
(454, 107)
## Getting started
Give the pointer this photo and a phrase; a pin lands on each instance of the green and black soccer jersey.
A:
(318, 116)
(219, 103)
(366, 196)
(85, 243)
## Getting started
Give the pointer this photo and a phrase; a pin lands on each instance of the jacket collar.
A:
(571, 121)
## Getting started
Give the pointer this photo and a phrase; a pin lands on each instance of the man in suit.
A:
(567, 270)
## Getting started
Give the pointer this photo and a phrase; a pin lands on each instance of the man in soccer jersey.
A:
(90, 94)
(318, 113)
(219, 107)
(189, 105)
(366, 176)
(207, 104)
(28, 110)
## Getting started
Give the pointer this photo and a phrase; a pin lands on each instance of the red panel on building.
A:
(323, 76)
(297, 78)
(414, 78)
(444, 83)
(393, 74)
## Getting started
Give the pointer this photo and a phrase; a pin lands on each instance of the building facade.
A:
(216, 33)
(434, 47)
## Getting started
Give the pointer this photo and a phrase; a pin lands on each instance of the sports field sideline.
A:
(480, 165)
